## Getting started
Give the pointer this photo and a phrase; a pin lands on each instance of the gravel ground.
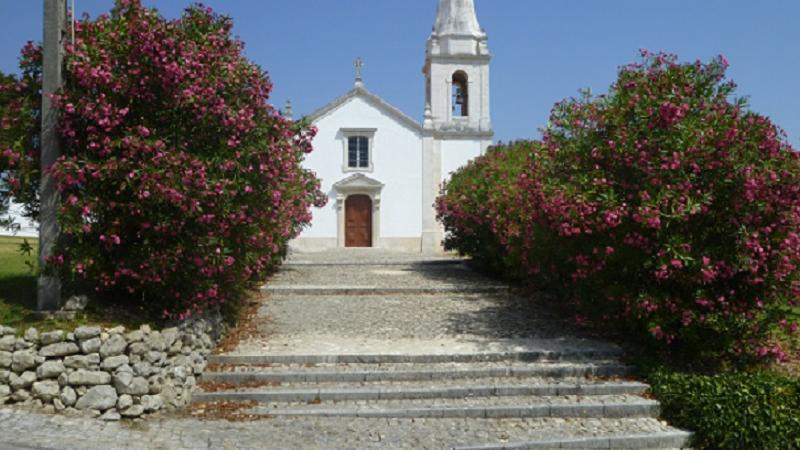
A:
(329, 324)
(438, 274)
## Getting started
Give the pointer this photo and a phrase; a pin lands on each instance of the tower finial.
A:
(457, 17)
(359, 64)
(288, 111)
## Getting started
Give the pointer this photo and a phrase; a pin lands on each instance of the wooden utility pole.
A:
(55, 20)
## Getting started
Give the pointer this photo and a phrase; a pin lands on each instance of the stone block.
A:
(46, 390)
(59, 349)
(124, 402)
(111, 416)
(22, 360)
(82, 361)
(83, 333)
(82, 377)
(132, 411)
(124, 368)
(135, 336)
(21, 396)
(151, 403)
(22, 344)
(119, 329)
(50, 369)
(52, 337)
(23, 381)
(126, 383)
(170, 335)
(91, 345)
(99, 398)
(4, 330)
(31, 335)
(113, 362)
(137, 348)
(155, 358)
(5, 359)
(115, 345)
(8, 343)
(155, 342)
(175, 348)
(68, 396)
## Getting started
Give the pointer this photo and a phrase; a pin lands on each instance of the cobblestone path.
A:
(369, 349)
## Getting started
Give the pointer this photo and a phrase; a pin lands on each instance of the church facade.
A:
(381, 169)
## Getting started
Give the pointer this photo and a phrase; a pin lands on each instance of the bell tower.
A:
(457, 72)
(457, 125)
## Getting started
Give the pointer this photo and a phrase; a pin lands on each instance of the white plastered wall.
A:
(397, 163)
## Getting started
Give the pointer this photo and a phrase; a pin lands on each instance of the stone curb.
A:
(417, 375)
(531, 356)
(377, 290)
(410, 262)
(642, 408)
(662, 440)
(450, 392)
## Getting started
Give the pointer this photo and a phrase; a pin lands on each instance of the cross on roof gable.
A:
(362, 92)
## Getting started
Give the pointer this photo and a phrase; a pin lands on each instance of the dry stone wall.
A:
(108, 373)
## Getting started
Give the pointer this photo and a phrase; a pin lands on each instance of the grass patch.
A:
(17, 281)
(18, 275)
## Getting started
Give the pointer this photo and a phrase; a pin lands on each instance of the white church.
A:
(381, 169)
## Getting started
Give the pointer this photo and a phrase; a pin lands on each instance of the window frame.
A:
(369, 134)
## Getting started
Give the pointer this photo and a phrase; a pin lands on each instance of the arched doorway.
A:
(358, 221)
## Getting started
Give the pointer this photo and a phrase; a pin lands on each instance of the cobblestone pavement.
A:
(452, 321)
(447, 323)
(29, 430)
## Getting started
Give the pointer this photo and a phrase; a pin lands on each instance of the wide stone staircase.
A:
(428, 354)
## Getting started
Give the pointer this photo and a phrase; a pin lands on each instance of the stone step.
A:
(383, 279)
(410, 372)
(572, 354)
(417, 392)
(601, 406)
(405, 260)
(671, 439)
(277, 289)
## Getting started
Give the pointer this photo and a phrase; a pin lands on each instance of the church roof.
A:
(457, 18)
(360, 91)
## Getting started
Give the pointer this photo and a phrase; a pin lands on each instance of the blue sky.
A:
(543, 51)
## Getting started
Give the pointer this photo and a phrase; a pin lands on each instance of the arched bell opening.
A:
(460, 94)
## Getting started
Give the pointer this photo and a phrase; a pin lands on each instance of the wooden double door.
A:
(358, 221)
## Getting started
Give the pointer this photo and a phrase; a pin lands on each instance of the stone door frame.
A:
(358, 184)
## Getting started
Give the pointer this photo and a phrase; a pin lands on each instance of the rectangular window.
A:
(358, 152)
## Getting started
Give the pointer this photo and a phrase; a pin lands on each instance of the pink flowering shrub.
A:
(180, 184)
(665, 208)
(20, 102)
(474, 210)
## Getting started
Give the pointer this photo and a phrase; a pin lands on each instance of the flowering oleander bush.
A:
(180, 185)
(20, 104)
(475, 210)
(664, 207)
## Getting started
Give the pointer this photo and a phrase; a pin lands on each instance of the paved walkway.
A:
(370, 349)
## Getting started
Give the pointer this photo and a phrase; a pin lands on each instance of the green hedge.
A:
(758, 410)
